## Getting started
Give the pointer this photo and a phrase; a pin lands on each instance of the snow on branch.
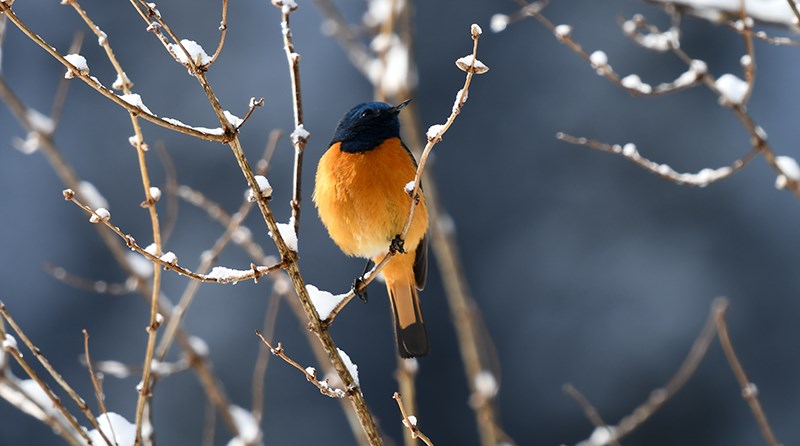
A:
(629, 151)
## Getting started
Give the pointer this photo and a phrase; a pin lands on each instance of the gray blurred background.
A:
(587, 269)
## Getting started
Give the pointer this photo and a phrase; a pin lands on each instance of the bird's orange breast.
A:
(361, 198)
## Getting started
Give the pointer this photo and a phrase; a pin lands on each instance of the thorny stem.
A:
(370, 276)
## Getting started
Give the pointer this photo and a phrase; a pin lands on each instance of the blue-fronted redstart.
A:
(361, 197)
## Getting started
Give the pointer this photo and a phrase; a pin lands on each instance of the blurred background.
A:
(586, 268)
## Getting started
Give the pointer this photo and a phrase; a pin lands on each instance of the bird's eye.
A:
(367, 112)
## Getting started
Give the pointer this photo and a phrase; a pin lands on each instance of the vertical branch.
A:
(405, 375)
(300, 135)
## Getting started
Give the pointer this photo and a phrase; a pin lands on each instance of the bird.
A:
(361, 196)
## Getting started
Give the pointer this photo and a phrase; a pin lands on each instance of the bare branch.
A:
(410, 421)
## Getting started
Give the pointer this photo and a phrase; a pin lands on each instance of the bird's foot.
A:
(358, 284)
(397, 245)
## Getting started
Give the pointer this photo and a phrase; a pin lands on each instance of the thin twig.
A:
(98, 391)
(84, 408)
(411, 425)
(254, 273)
(660, 396)
(223, 27)
(100, 88)
(590, 411)
(300, 135)
(629, 152)
(260, 369)
(309, 372)
(749, 390)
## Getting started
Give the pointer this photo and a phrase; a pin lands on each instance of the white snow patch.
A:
(633, 82)
(198, 345)
(227, 275)
(324, 302)
(40, 122)
(433, 131)
(598, 59)
(170, 258)
(464, 64)
(246, 424)
(155, 193)
(287, 234)
(233, 119)
(79, 62)
(139, 265)
(263, 185)
(732, 89)
(789, 170)
(100, 214)
(196, 52)
(123, 430)
(412, 421)
(562, 31)
(91, 196)
(121, 81)
(409, 187)
(498, 23)
(10, 342)
(299, 134)
(486, 384)
(351, 367)
(151, 249)
(37, 394)
(475, 29)
(136, 101)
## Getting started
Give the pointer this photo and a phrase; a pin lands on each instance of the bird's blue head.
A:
(367, 125)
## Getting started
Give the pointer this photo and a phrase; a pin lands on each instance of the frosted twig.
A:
(100, 88)
(231, 276)
(410, 422)
(309, 372)
(700, 179)
(749, 390)
(300, 135)
(432, 141)
(84, 408)
(631, 83)
(763, 36)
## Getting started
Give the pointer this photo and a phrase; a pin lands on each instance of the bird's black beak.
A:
(396, 109)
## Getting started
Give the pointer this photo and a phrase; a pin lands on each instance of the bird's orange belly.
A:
(362, 201)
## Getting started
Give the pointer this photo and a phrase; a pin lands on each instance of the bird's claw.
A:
(357, 284)
(397, 245)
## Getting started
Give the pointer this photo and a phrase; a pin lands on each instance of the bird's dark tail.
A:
(412, 338)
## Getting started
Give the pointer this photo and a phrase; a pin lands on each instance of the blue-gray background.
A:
(586, 268)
